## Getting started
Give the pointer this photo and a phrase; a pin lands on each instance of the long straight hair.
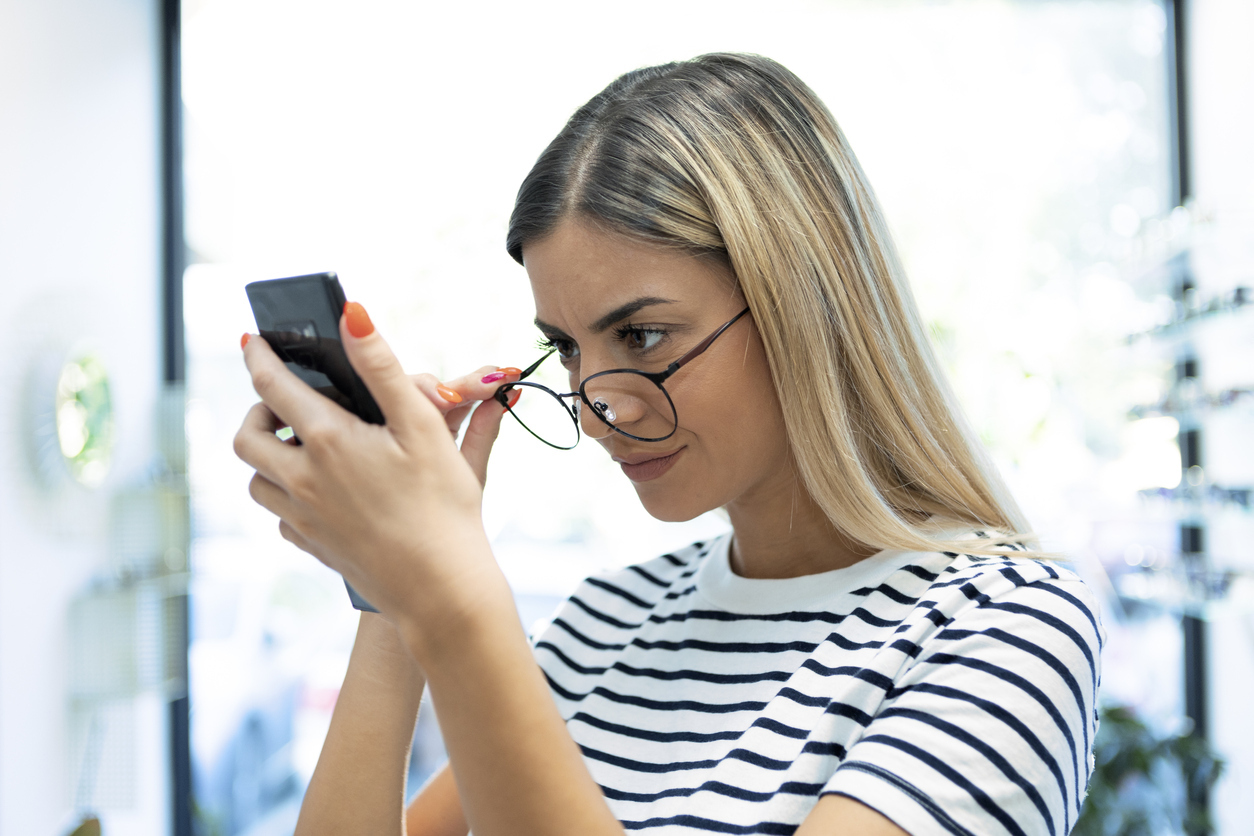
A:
(734, 158)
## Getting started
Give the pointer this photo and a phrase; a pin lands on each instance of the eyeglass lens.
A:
(629, 402)
(545, 415)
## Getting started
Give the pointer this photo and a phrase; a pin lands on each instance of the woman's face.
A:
(607, 301)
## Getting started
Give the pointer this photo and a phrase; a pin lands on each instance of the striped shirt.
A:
(954, 694)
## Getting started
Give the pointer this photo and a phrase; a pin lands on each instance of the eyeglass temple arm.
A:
(702, 346)
(502, 396)
(527, 371)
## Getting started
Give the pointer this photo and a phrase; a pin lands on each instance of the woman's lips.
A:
(650, 468)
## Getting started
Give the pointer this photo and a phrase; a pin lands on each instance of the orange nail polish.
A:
(508, 370)
(243, 341)
(513, 397)
(359, 324)
(448, 394)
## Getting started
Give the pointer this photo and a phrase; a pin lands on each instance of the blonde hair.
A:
(733, 157)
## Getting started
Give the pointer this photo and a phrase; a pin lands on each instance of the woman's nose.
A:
(618, 408)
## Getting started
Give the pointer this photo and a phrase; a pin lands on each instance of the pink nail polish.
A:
(493, 378)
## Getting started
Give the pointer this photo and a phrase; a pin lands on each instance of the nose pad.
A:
(589, 424)
(622, 409)
(603, 408)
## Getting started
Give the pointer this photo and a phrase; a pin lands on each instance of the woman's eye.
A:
(642, 339)
(566, 350)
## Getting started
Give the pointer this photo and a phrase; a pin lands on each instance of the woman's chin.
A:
(671, 506)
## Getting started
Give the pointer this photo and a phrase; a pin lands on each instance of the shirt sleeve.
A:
(991, 730)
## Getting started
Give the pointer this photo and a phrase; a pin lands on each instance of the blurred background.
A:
(1070, 185)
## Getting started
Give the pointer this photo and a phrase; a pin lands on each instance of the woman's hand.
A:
(396, 508)
(456, 399)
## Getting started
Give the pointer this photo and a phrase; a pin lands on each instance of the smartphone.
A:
(300, 318)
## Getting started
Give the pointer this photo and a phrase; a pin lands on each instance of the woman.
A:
(875, 649)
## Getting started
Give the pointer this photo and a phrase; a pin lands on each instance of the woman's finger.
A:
(291, 399)
(258, 446)
(298, 540)
(408, 414)
(454, 418)
(271, 497)
(481, 384)
(447, 400)
(481, 434)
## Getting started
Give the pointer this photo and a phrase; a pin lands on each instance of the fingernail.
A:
(493, 377)
(359, 324)
(508, 370)
(512, 399)
(448, 394)
(243, 341)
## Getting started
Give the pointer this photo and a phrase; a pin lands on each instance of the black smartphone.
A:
(300, 318)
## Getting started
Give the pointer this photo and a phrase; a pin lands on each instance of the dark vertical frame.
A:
(1192, 533)
(174, 370)
(174, 360)
(1178, 100)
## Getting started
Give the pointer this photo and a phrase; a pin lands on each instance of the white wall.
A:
(79, 269)
(1222, 88)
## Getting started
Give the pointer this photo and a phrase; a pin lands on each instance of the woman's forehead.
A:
(580, 275)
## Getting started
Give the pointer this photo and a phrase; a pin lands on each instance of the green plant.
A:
(1146, 784)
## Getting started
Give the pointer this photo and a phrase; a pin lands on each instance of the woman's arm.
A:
(359, 783)
(517, 769)
(437, 809)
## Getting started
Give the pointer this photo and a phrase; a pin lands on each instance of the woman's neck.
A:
(781, 533)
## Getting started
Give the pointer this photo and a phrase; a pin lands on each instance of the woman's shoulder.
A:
(1014, 586)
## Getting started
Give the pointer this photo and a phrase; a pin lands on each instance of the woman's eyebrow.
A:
(617, 315)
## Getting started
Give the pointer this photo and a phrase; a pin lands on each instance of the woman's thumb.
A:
(480, 435)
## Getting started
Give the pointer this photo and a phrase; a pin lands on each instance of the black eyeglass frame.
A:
(656, 378)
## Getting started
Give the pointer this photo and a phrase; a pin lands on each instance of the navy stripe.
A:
(888, 592)
(653, 579)
(657, 737)
(722, 615)
(600, 616)
(816, 747)
(566, 660)
(689, 737)
(1053, 621)
(659, 705)
(984, 749)
(726, 647)
(841, 709)
(1078, 604)
(1052, 661)
(1023, 685)
(633, 765)
(1014, 723)
(957, 778)
(797, 617)
(716, 787)
(921, 798)
(920, 572)
(593, 643)
(703, 676)
(770, 828)
(865, 674)
(620, 592)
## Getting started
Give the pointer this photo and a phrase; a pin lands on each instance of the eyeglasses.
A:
(631, 402)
